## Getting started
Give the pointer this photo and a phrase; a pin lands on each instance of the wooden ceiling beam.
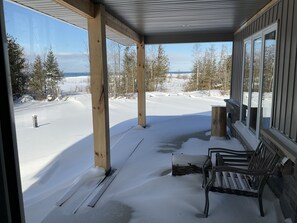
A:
(84, 8)
(120, 28)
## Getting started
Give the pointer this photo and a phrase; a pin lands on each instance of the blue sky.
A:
(36, 33)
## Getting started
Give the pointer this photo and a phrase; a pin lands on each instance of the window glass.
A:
(268, 71)
(257, 44)
(257, 79)
(246, 77)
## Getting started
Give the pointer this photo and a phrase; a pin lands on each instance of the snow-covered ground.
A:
(75, 84)
(59, 155)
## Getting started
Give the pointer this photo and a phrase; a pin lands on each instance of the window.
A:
(257, 83)
(268, 72)
(254, 99)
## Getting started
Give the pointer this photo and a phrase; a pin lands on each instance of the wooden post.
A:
(34, 119)
(141, 83)
(218, 121)
(99, 87)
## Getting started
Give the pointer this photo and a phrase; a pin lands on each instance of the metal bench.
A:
(239, 172)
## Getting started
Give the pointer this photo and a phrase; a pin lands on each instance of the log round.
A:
(218, 121)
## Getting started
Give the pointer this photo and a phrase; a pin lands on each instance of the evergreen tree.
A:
(17, 64)
(156, 67)
(129, 71)
(149, 85)
(161, 68)
(38, 80)
(53, 74)
(150, 60)
(210, 71)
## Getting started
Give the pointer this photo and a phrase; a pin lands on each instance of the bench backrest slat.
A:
(263, 159)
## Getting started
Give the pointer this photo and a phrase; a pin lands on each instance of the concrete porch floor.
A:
(144, 190)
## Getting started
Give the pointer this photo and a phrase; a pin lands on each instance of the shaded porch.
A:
(144, 190)
(247, 18)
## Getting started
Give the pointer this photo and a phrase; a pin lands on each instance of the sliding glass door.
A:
(255, 83)
(257, 80)
(268, 74)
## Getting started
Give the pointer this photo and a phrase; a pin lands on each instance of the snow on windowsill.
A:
(246, 135)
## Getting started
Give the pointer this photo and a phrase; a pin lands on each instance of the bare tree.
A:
(114, 68)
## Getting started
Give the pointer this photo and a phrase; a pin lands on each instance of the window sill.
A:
(246, 135)
(281, 143)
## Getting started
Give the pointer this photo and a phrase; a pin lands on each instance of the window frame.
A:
(261, 34)
(242, 83)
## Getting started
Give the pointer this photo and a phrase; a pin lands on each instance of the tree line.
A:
(122, 69)
(39, 79)
(210, 71)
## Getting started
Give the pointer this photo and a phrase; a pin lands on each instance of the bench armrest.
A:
(229, 151)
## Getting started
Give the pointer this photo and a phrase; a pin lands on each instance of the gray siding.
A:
(285, 88)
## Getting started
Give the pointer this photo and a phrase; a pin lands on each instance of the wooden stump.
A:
(218, 121)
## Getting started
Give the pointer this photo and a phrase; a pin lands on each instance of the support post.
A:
(141, 83)
(99, 87)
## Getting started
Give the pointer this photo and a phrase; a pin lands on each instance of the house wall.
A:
(285, 88)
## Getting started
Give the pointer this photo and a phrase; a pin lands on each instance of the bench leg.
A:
(260, 195)
(206, 207)
(261, 204)
(205, 169)
(204, 178)
(207, 189)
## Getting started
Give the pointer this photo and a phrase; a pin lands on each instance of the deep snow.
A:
(58, 155)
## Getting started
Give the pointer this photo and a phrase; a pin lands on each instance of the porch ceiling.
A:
(164, 21)
(160, 20)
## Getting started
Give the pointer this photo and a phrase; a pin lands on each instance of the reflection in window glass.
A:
(269, 59)
(255, 83)
(246, 77)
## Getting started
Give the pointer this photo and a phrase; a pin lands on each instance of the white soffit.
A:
(57, 11)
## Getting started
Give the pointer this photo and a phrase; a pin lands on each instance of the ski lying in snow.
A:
(73, 190)
(140, 141)
(94, 201)
(92, 191)
(68, 194)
